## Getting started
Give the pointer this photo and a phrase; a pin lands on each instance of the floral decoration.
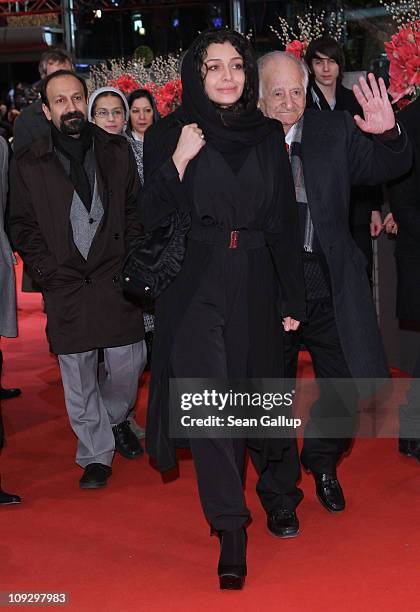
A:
(297, 48)
(125, 83)
(403, 51)
(161, 78)
(311, 25)
(168, 96)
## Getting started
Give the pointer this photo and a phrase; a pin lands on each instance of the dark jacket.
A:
(29, 126)
(85, 305)
(337, 155)
(404, 197)
(162, 194)
(364, 199)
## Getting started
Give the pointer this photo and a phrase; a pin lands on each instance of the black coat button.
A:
(110, 193)
(116, 236)
(88, 280)
(91, 220)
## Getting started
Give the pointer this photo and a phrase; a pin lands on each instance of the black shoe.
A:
(409, 447)
(329, 492)
(95, 476)
(283, 523)
(232, 561)
(8, 499)
(126, 441)
(9, 393)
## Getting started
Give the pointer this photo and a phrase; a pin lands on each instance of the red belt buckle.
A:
(234, 239)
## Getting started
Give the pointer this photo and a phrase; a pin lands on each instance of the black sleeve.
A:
(22, 136)
(133, 226)
(163, 192)
(374, 161)
(404, 200)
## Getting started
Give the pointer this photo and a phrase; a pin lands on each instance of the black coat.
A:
(364, 199)
(404, 197)
(163, 193)
(85, 306)
(336, 155)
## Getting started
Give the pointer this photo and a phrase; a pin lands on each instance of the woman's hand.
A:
(390, 225)
(290, 324)
(189, 144)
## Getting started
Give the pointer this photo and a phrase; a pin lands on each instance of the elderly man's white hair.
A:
(273, 55)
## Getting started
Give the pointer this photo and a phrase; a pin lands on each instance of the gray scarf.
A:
(299, 181)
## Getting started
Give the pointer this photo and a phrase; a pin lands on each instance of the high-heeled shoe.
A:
(232, 561)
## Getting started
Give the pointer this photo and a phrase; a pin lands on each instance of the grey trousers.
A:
(95, 405)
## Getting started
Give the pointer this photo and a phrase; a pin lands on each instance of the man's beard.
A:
(73, 127)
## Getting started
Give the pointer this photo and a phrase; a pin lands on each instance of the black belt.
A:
(231, 239)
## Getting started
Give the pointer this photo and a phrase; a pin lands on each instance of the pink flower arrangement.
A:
(403, 52)
(297, 48)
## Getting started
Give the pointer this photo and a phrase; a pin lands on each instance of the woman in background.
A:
(142, 114)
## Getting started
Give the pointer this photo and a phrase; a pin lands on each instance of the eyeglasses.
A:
(103, 113)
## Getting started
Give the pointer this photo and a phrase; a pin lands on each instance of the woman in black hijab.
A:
(219, 159)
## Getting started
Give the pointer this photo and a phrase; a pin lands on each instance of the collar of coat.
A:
(44, 146)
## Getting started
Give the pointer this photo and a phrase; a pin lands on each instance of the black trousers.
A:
(410, 413)
(335, 409)
(212, 343)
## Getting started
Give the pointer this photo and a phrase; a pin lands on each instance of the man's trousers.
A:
(95, 404)
(332, 419)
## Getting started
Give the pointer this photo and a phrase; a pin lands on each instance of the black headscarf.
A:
(226, 130)
(75, 150)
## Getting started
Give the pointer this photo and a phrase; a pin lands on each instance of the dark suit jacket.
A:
(84, 302)
(337, 155)
(404, 197)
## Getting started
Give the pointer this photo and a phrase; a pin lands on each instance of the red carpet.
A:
(142, 545)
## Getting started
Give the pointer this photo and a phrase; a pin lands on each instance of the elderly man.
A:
(73, 213)
(329, 153)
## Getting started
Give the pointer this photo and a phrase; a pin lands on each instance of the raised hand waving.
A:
(377, 110)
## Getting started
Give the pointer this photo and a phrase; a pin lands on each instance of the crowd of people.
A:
(279, 169)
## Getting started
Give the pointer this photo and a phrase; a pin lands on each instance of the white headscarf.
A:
(103, 90)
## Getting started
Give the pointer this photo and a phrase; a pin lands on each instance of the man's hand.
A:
(377, 110)
(290, 324)
(375, 223)
(390, 225)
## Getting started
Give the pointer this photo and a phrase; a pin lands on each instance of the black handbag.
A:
(156, 258)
